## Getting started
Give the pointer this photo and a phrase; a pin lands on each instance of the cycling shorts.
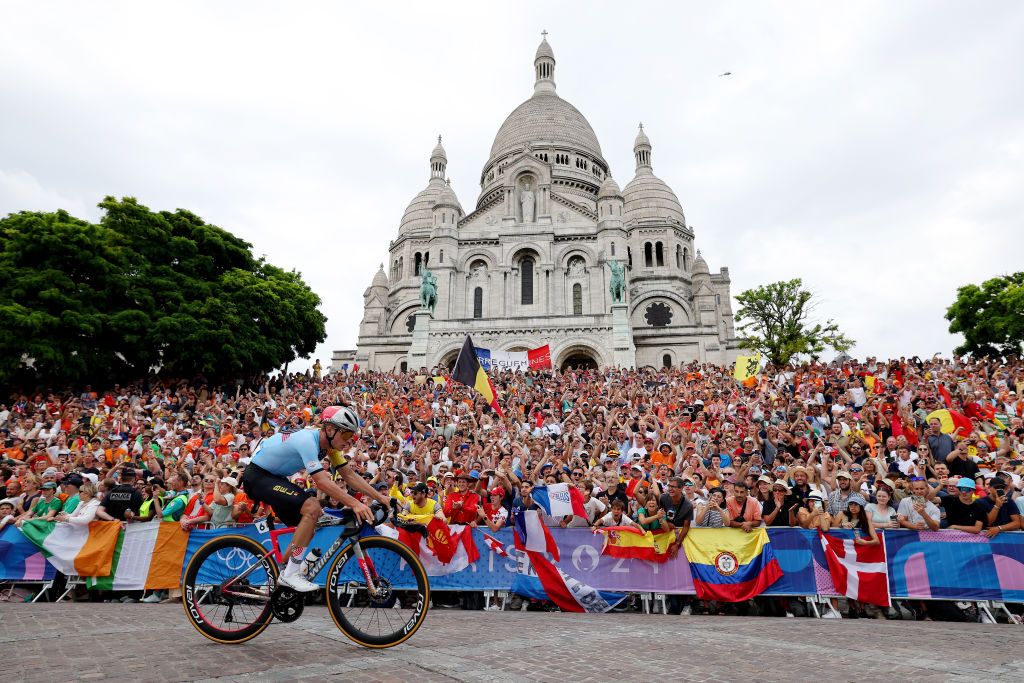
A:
(276, 491)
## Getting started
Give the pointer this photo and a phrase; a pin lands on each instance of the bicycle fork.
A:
(369, 571)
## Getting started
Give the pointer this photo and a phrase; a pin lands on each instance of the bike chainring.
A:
(287, 604)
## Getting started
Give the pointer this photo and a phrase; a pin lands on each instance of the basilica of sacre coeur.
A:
(530, 264)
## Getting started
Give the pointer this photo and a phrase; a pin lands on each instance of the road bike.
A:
(377, 590)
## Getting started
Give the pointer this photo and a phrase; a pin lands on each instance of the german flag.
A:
(467, 370)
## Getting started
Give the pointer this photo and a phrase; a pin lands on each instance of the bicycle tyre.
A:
(189, 592)
(337, 612)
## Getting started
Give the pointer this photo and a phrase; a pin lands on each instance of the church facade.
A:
(531, 263)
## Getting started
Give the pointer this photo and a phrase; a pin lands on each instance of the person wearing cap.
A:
(45, 508)
(223, 502)
(461, 506)
(963, 513)
(1001, 512)
(70, 486)
(420, 507)
(813, 512)
(844, 489)
(123, 501)
(493, 511)
(780, 508)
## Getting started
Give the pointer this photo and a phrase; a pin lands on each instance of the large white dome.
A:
(545, 119)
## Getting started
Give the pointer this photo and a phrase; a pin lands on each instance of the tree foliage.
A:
(774, 319)
(144, 290)
(990, 317)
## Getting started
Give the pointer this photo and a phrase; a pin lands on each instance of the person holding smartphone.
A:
(813, 512)
(714, 514)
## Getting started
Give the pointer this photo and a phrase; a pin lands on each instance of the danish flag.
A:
(858, 571)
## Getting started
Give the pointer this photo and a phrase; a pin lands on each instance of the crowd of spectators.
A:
(846, 444)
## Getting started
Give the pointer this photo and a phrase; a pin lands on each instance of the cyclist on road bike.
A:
(282, 455)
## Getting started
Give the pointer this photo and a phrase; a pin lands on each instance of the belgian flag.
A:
(468, 371)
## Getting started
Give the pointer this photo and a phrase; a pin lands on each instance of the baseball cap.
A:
(966, 483)
(230, 481)
(843, 473)
(498, 491)
(856, 498)
(49, 486)
(420, 487)
(91, 477)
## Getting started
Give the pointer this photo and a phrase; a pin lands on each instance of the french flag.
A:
(538, 578)
(559, 500)
(858, 571)
(531, 535)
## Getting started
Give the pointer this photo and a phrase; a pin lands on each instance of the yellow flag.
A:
(869, 384)
(747, 367)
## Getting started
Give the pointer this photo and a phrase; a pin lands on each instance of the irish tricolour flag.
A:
(145, 555)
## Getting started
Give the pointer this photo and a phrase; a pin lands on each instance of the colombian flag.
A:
(731, 565)
(631, 543)
(468, 371)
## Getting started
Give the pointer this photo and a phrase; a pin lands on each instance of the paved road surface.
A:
(82, 641)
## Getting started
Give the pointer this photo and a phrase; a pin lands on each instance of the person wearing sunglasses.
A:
(963, 513)
(282, 455)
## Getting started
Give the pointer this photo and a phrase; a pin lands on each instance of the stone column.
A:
(622, 337)
(420, 337)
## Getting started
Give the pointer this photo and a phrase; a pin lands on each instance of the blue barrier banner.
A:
(20, 560)
(943, 565)
(953, 565)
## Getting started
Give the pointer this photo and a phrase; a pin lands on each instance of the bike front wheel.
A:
(219, 604)
(392, 613)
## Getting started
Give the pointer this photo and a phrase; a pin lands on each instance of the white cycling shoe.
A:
(298, 582)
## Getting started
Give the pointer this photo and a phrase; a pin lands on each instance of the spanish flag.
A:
(632, 543)
(467, 370)
(731, 565)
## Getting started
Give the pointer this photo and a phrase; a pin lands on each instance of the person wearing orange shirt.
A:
(744, 511)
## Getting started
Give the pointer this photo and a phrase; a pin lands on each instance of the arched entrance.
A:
(448, 359)
(579, 360)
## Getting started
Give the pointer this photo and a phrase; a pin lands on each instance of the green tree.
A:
(990, 317)
(774, 319)
(144, 290)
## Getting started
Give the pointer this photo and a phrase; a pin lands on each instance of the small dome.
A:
(380, 279)
(438, 152)
(641, 138)
(544, 50)
(609, 189)
(648, 198)
(700, 266)
(418, 215)
(446, 197)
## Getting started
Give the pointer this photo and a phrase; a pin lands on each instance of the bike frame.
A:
(365, 563)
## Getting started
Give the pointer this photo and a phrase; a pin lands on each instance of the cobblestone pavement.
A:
(84, 641)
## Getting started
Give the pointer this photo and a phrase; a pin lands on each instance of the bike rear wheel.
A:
(396, 611)
(220, 607)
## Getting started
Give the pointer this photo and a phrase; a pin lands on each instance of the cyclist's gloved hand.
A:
(363, 512)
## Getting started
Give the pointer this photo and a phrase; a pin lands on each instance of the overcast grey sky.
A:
(874, 149)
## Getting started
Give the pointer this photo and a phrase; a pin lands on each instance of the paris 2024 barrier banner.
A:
(943, 565)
